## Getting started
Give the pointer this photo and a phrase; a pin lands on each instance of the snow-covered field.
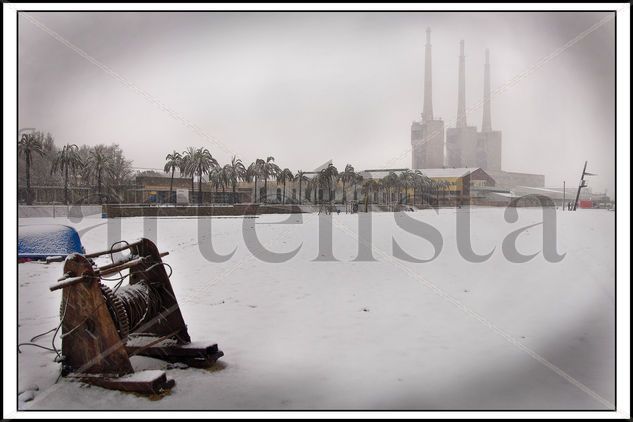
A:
(388, 334)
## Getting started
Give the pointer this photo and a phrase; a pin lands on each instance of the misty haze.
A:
(310, 87)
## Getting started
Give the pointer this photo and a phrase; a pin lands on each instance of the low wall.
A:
(483, 202)
(76, 211)
(116, 211)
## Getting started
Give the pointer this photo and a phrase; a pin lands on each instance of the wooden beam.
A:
(144, 382)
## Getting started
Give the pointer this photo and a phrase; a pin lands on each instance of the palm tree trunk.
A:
(66, 185)
(367, 199)
(265, 190)
(27, 158)
(171, 183)
(283, 201)
(329, 186)
(199, 185)
(233, 198)
(344, 193)
(299, 191)
(255, 200)
(99, 185)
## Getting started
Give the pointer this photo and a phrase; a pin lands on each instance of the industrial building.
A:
(462, 146)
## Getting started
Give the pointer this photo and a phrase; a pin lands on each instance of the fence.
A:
(76, 211)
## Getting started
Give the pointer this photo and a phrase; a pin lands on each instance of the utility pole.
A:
(564, 195)
(582, 184)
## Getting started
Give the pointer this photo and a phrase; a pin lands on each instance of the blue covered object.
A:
(39, 241)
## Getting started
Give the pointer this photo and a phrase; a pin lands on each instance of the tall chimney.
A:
(427, 111)
(461, 88)
(486, 125)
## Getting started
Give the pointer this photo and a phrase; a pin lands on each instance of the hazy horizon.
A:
(309, 87)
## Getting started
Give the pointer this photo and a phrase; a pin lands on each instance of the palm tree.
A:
(174, 160)
(445, 185)
(202, 163)
(425, 184)
(235, 171)
(27, 145)
(321, 181)
(436, 187)
(301, 177)
(358, 178)
(98, 165)
(254, 172)
(385, 184)
(224, 178)
(418, 182)
(285, 176)
(369, 186)
(389, 182)
(328, 175)
(415, 183)
(67, 159)
(406, 178)
(186, 168)
(347, 176)
(218, 178)
(269, 169)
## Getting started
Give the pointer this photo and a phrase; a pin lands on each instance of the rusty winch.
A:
(102, 326)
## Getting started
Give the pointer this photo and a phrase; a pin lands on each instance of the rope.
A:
(58, 355)
(141, 302)
(112, 256)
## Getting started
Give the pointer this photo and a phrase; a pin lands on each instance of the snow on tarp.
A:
(39, 241)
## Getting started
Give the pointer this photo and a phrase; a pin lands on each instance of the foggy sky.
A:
(309, 87)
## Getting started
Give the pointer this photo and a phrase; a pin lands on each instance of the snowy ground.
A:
(389, 334)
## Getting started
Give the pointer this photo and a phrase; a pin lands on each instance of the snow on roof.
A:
(448, 172)
(505, 194)
(380, 173)
(432, 173)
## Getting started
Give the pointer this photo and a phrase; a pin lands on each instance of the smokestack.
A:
(461, 88)
(427, 111)
(486, 125)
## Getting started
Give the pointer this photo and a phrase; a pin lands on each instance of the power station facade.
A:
(461, 145)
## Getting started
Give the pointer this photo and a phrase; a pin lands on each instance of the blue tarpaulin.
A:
(39, 241)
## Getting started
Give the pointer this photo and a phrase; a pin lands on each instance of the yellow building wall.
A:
(455, 183)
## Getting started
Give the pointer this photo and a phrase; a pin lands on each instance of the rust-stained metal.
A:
(102, 326)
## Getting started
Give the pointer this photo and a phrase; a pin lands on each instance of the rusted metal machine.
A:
(103, 327)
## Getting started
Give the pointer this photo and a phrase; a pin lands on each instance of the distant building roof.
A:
(434, 173)
(379, 173)
(554, 192)
(448, 172)
(323, 166)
